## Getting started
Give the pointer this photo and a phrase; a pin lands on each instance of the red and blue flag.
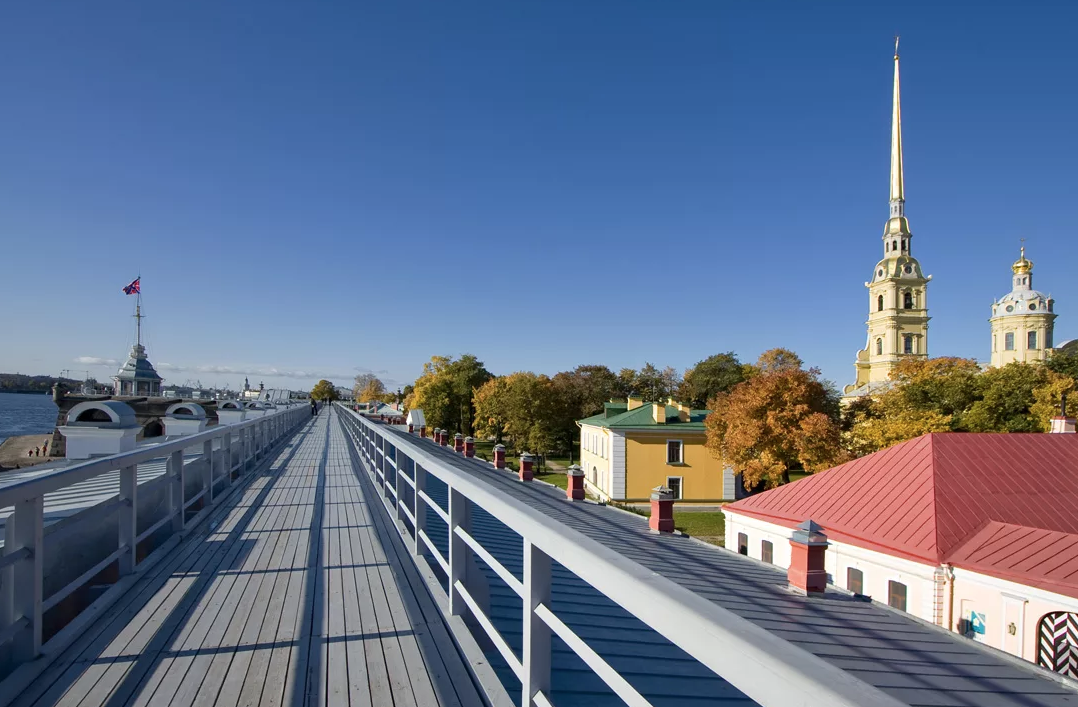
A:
(134, 287)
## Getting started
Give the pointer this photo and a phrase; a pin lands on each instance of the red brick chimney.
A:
(499, 456)
(662, 510)
(807, 547)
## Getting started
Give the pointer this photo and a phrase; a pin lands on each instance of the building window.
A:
(896, 595)
(674, 451)
(1031, 339)
(894, 245)
(742, 544)
(855, 580)
(674, 484)
(1048, 339)
(903, 245)
(1008, 341)
(594, 474)
(767, 551)
(879, 303)
(879, 347)
(907, 343)
(907, 301)
(993, 342)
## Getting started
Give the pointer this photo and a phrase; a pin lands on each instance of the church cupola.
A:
(1023, 320)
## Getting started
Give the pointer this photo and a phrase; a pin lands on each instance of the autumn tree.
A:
(775, 421)
(324, 390)
(715, 374)
(1048, 399)
(368, 387)
(927, 395)
(444, 391)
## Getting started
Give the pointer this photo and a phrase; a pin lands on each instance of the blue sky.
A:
(316, 189)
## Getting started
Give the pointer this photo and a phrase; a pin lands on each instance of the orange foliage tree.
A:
(782, 417)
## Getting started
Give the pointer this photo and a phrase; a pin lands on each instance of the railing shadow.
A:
(131, 684)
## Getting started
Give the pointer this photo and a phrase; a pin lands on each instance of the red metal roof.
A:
(923, 498)
(1047, 559)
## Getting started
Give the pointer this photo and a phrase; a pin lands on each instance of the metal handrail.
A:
(22, 602)
(765, 667)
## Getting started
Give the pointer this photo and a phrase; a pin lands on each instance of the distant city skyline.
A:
(332, 191)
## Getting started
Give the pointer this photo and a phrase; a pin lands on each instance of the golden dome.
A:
(1022, 266)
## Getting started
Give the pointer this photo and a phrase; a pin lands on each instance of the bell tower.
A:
(898, 291)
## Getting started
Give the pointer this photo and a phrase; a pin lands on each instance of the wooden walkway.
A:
(293, 593)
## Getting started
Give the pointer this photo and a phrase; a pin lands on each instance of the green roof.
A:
(616, 416)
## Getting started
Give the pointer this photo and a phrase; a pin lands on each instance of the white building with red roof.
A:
(975, 532)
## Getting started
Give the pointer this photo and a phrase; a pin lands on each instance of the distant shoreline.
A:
(25, 392)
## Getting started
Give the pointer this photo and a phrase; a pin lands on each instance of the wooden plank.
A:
(202, 607)
(359, 692)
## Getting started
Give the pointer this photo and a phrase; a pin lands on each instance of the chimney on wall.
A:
(807, 547)
(658, 413)
(1061, 424)
(634, 401)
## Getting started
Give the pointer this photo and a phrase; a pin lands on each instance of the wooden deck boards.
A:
(293, 593)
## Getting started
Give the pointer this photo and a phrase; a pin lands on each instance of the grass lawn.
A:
(709, 526)
(559, 480)
(796, 475)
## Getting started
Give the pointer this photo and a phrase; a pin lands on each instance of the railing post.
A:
(399, 488)
(28, 532)
(245, 442)
(175, 489)
(458, 550)
(128, 518)
(228, 455)
(207, 473)
(419, 508)
(536, 658)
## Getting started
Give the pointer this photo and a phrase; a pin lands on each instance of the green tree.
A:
(1064, 362)
(324, 390)
(715, 374)
(444, 391)
(1007, 398)
(521, 409)
(368, 387)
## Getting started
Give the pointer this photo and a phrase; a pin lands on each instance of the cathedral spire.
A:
(897, 188)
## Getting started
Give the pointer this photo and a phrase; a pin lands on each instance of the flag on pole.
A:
(133, 288)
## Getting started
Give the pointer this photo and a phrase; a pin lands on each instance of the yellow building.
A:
(632, 447)
(897, 294)
(1022, 320)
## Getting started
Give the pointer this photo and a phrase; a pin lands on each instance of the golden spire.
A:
(897, 187)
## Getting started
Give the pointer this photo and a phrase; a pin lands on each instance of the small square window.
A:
(742, 544)
(674, 449)
(674, 484)
(896, 595)
(855, 580)
(767, 551)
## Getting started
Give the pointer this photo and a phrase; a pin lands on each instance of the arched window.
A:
(907, 301)
(903, 245)
(879, 303)
(879, 347)
(894, 245)
(886, 247)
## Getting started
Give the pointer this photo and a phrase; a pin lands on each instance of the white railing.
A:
(21, 565)
(768, 669)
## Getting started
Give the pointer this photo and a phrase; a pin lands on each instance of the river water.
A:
(26, 415)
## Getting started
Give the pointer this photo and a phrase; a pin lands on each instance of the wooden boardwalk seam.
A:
(292, 593)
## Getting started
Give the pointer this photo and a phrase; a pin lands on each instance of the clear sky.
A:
(316, 189)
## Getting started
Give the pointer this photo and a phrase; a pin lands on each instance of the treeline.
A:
(954, 395)
(20, 383)
(767, 418)
(538, 412)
